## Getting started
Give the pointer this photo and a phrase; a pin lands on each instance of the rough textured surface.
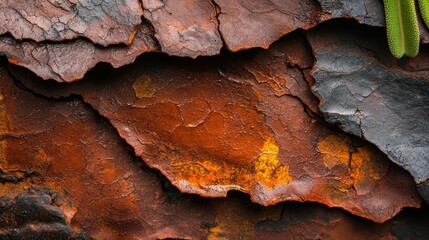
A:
(213, 126)
(89, 186)
(246, 24)
(299, 223)
(71, 60)
(241, 123)
(64, 150)
(184, 28)
(188, 28)
(368, 12)
(32, 216)
(368, 93)
(102, 22)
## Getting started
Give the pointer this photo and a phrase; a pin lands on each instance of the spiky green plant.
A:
(424, 10)
(402, 27)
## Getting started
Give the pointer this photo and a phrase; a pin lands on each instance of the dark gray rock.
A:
(366, 11)
(29, 216)
(369, 94)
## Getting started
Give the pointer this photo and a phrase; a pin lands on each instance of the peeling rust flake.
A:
(69, 61)
(59, 33)
(184, 28)
(246, 24)
(242, 123)
(102, 22)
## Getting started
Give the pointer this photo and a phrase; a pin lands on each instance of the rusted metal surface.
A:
(66, 174)
(374, 96)
(241, 123)
(72, 170)
(74, 157)
(102, 22)
(188, 28)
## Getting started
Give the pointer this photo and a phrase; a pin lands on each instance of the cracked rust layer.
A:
(184, 28)
(70, 61)
(241, 122)
(188, 28)
(102, 22)
(70, 173)
(88, 185)
(368, 93)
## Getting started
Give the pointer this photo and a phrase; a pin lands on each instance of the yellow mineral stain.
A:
(210, 173)
(143, 87)
(336, 150)
(268, 169)
(337, 190)
(366, 165)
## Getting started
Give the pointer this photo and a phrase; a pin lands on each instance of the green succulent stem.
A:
(402, 28)
(424, 11)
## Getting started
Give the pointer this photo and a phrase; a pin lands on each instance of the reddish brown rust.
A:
(63, 149)
(184, 28)
(240, 123)
(60, 154)
(246, 24)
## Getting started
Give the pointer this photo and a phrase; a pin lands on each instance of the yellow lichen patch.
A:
(368, 166)
(143, 87)
(268, 169)
(336, 150)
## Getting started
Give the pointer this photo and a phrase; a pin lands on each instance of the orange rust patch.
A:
(42, 161)
(366, 164)
(13, 61)
(132, 34)
(368, 167)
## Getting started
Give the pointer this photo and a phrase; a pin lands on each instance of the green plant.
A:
(402, 26)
